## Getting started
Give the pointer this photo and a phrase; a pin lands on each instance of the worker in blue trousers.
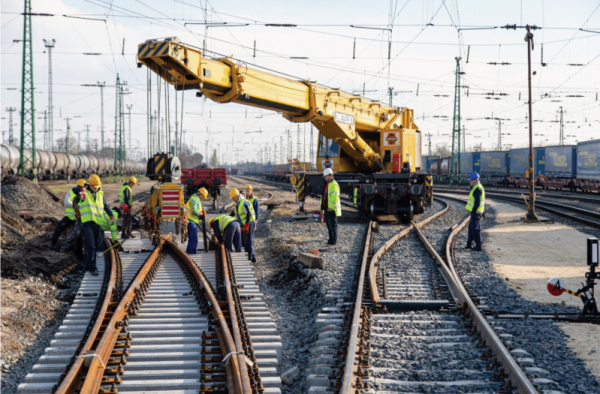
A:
(227, 230)
(475, 205)
(194, 214)
(244, 213)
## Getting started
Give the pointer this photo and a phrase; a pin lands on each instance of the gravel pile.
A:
(295, 295)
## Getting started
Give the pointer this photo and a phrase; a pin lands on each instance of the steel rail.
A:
(72, 378)
(236, 374)
(95, 372)
(349, 367)
(237, 337)
(545, 206)
(516, 374)
(541, 193)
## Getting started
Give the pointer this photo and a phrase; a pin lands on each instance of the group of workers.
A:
(236, 231)
(86, 209)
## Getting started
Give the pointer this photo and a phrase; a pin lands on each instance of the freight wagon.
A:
(58, 165)
(493, 167)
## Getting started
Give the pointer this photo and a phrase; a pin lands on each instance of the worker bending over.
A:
(244, 213)
(107, 225)
(69, 219)
(254, 201)
(475, 205)
(227, 230)
(126, 197)
(331, 207)
(194, 214)
(91, 204)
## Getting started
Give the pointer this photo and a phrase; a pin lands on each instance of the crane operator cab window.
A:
(328, 147)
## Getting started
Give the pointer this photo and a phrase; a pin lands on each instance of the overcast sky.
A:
(425, 41)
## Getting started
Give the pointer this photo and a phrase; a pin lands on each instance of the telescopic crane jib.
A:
(367, 131)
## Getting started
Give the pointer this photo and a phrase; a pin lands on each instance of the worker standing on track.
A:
(107, 225)
(69, 218)
(91, 203)
(254, 201)
(331, 207)
(475, 205)
(244, 213)
(126, 197)
(227, 230)
(194, 213)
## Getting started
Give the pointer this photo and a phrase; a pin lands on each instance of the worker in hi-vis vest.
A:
(194, 214)
(331, 207)
(475, 205)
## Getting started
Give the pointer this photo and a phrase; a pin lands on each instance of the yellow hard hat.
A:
(249, 186)
(133, 180)
(234, 193)
(81, 183)
(95, 180)
(203, 191)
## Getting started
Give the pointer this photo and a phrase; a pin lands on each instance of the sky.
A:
(426, 37)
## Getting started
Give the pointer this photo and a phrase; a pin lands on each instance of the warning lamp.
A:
(593, 251)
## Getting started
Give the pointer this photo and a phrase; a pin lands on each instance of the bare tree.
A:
(441, 150)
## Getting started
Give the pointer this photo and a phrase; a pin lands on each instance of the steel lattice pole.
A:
(27, 100)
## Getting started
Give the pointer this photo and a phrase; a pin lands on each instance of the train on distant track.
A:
(573, 167)
(58, 165)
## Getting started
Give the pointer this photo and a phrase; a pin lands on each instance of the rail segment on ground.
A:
(157, 319)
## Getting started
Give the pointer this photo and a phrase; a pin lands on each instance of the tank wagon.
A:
(58, 165)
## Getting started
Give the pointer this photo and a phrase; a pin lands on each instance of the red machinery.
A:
(212, 179)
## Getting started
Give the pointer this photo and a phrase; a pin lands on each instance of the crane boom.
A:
(357, 124)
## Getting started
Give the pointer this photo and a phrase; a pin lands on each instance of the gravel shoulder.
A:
(506, 273)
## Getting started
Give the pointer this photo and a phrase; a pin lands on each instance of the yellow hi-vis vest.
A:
(471, 200)
(224, 221)
(91, 210)
(105, 224)
(333, 198)
(70, 212)
(241, 214)
(122, 195)
(193, 203)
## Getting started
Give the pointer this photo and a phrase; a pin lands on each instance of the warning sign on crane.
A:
(391, 139)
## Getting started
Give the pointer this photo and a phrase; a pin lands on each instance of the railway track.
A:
(412, 327)
(158, 320)
(585, 216)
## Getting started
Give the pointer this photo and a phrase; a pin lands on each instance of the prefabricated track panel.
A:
(588, 160)
(494, 163)
(561, 161)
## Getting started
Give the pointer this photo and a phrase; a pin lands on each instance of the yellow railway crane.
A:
(374, 149)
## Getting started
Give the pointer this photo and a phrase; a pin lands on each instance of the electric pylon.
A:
(561, 137)
(50, 45)
(11, 139)
(67, 136)
(119, 130)
(455, 158)
(27, 103)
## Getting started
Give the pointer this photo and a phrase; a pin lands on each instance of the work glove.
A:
(483, 215)
(112, 221)
(247, 226)
(82, 194)
(203, 213)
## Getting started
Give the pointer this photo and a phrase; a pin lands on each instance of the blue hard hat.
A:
(474, 176)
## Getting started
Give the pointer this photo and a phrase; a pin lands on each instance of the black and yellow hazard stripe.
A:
(147, 50)
(300, 189)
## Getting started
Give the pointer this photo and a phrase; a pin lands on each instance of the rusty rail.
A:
(107, 343)
(237, 374)
(516, 374)
(72, 378)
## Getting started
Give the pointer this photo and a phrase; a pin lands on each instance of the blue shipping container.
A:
(588, 160)
(540, 162)
(561, 161)
(494, 163)
(519, 162)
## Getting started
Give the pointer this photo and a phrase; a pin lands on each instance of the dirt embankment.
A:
(37, 283)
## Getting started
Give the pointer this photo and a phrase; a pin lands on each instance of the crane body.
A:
(375, 149)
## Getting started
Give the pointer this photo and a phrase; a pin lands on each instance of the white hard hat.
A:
(328, 171)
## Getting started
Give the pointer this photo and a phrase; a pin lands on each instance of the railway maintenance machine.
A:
(374, 149)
